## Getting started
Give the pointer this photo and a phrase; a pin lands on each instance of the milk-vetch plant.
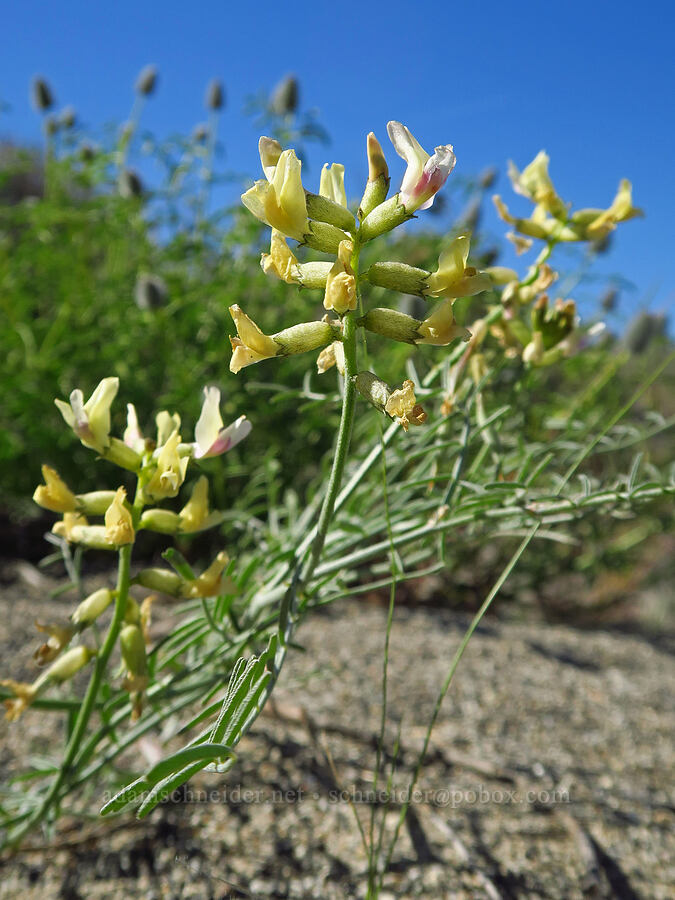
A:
(432, 488)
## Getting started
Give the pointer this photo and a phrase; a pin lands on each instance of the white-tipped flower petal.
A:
(425, 174)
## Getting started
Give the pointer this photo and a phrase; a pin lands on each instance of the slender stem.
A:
(89, 701)
(342, 444)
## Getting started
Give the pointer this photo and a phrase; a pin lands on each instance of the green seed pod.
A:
(163, 580)
(383, 218)
(92, 607)
(41, 95)
(162, 520)
(132, 646)
(118, 453)
(373, 389)
(286, 96)
(391, 323)
(147, 80)
(70, 663)
(215, 95)
(314, 274)
(304, 337)
(324, 237)
(95, 503)
(324, 210)
(396, 276)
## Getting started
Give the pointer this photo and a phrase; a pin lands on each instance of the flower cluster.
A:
(160, 465)
(551, 218)
(324, 223)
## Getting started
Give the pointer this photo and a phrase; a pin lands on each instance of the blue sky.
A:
(590, 82)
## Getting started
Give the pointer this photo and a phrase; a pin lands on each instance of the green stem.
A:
(342, 444)
(90, 698)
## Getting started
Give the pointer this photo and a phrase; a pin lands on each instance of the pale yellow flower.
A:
(91, 420)
(402, 406)
(195, 515)
(170, 472)
(251, 345)
(340, 294)
(332, 184)
(211, 582)
(55, 493)
(119, 528)
(280, 261)
(332, 355)
(621, 210)
(535, 183)
(454, 278)
(211, 436)
(440, 328)
(280, 201)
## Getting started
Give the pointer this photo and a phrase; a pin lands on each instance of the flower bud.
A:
(324, 237)
(215, 95)
(41, 94)
(91, 607)
(147, 80)
(377, 185)
(396, 276)
(285, 96)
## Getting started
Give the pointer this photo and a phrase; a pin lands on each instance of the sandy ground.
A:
(550, 772)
